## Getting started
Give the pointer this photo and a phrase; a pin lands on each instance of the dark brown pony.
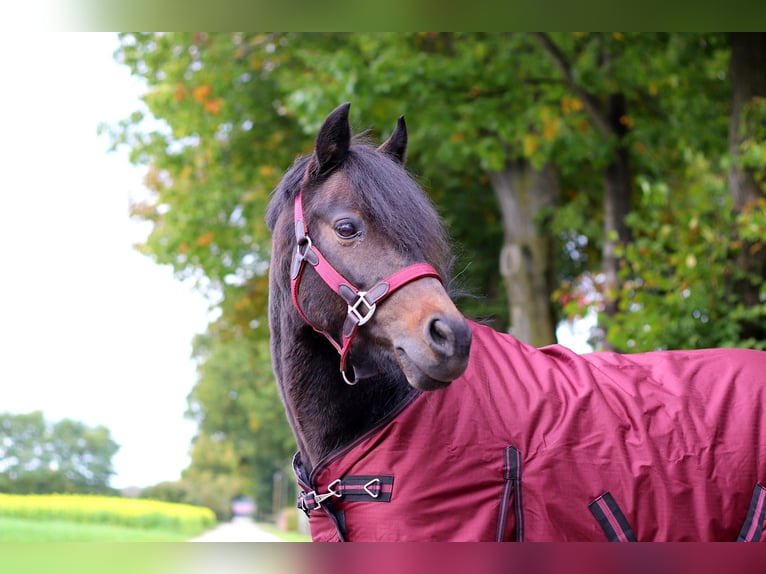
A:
(514, 442)
(369, 219)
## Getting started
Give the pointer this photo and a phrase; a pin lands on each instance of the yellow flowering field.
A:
(90, 509)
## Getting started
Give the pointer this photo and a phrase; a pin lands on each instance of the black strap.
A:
(616, 527)
(354, 488)
(367, 488)
(756, 514)
(511, 490)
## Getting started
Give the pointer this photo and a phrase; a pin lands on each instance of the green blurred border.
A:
(406, 558)
(148, 558)
(397, 15)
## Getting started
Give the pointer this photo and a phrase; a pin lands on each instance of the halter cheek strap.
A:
(361, 304)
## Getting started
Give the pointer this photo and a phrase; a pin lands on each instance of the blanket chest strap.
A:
(352, 488)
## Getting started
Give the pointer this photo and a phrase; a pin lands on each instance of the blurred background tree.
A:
(40, 457)
(613, 172)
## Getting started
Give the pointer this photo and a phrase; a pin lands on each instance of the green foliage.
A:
(15, 530)
(215, 490)
(680, 269)
(169, 491)
(65, 457)
(212, 482)
(215, 147)
(753, 148)
(243, 430)
(681, 265)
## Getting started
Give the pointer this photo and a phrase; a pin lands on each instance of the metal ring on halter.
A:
(304, 241)
(345, 378)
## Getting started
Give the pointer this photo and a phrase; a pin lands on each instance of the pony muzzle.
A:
(439, 355)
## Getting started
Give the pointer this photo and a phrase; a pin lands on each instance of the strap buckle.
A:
(368, 488)
(320, 498)
(353, 309)
(308, 501)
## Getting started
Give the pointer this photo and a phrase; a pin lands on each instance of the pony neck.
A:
(324, 412)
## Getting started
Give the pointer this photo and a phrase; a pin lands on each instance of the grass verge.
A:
(26, 530)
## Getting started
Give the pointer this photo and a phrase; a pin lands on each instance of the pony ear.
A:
(396, 144)
(333, 140)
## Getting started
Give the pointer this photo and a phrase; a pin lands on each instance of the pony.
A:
(415, 423)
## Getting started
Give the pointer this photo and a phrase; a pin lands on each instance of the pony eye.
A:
(346, 229)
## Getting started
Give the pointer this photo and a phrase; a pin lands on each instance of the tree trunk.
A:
(617, 191)
(747, 73)
(524, 194)
(609, 121)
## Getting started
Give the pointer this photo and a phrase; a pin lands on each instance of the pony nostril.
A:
(441, 337)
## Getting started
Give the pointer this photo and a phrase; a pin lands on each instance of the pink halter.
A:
(361, 304)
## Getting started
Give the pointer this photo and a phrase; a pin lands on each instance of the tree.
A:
(214, 478)
(169, 491)
(684, 267)
(66, 456)
(747, 184)
(607, 112)
(218, 148)
(214, 150)
(239, 413)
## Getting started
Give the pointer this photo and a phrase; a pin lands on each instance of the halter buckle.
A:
(354, 308)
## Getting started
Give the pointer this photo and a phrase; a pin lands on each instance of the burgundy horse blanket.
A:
(547, 445)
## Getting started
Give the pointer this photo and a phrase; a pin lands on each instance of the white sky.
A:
(89, 328)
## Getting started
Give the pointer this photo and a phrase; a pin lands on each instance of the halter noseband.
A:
(361, 304)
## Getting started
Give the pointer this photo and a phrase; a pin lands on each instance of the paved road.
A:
(238, 530)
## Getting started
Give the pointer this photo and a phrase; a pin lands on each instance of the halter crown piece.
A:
(361, 304)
